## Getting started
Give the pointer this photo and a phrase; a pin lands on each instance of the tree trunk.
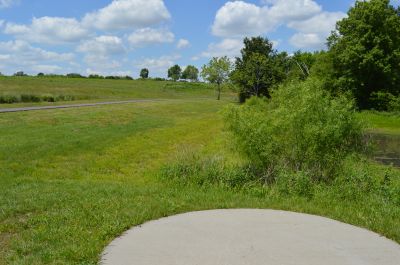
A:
(219, 92)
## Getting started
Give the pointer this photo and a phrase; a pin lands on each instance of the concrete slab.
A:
(250, 237)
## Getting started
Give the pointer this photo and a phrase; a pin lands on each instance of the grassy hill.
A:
(72, 180)
(92, 90)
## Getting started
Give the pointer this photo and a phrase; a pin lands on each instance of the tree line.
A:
(362, 61)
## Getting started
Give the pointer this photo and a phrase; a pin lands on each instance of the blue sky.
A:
(118, 37)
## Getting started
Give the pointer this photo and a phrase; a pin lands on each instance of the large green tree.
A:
(366, 50)
(175, 72)
(191, 73)
(217, 72)
(259, 68)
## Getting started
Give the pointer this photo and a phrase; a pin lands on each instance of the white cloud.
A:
(29, 53)
(50, 69)
(182, 44)
(322, 23)
(239, 18)
(288, 10)
(101, 54)
(8, 3)
(20, 55)
(148, 36)
(313, 32)
(128, 14)
(102, 45)
(307, 40)
(228, 47)
(50, 30)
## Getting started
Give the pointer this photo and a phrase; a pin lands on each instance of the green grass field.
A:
(386, 123)
(72, 180)
(94, 90)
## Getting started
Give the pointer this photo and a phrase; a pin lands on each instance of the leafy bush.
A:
(380, 100)
(7, 99)
(30, 98)
(26, 98)
(48, 98)
(300, 129)
(295, 183)
(383, 101)
(394, 104)
(360, 179)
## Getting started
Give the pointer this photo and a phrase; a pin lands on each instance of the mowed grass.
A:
(89, 90)
(73, 180)
(378, 122)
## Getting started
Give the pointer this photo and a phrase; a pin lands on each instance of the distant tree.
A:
(144, 73)
(191, 73)
(175, 72)
(259, 69)
(96, 76)
(217, 72)
(75, 75)
(20, 73)
(365, 50)
(40, 74)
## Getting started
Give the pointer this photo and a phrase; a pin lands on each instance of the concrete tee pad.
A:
(250, 237)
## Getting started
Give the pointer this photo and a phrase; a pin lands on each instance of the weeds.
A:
(26, 98)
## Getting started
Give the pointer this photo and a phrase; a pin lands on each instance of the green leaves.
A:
(191, 73)
(144, 73)
(366, 50)
(175, 72)
(301, 128)
(217, 71)
(259, 69)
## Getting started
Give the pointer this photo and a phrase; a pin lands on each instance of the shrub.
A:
(295, 183)
(300, 129)
(360, 179)
(394, 104)
(48, 98)
(380, 100)
(383, 101)
(8, 99)
(30, 98)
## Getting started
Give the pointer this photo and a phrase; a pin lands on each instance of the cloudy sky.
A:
(118, 37)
